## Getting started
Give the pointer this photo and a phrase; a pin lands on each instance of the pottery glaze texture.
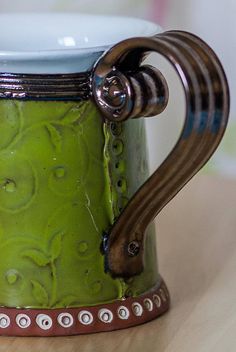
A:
(78, 251)
(65, 176)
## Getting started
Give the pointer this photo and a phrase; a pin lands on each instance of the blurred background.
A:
(213, 20)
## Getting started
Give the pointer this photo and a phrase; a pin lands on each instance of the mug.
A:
(78, 251)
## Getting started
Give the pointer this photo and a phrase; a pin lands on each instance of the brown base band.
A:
(84, 320)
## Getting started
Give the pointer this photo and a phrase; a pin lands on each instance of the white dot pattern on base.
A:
(65, 320)
(141, 309)
(137, 309)
(123, 312)
(148, 304)
(23, 321)
(44, 321)
(85, 317)
(105, 315)
(157, 300)
(4, 321)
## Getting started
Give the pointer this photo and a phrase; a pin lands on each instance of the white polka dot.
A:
(157, 300)
(105, 315)
(44, 321)
(148, 304)
(85, 317)
(4, 321)
(23, 321)
(123, 312)
(137, 309)
(65, 320)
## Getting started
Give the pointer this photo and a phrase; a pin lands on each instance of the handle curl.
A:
(123, 89)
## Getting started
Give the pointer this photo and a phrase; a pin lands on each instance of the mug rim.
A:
(143, 28)
(31, 58)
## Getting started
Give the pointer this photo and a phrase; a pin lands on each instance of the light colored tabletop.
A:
(197, 257)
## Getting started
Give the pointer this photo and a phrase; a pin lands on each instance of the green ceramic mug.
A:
(78, 251)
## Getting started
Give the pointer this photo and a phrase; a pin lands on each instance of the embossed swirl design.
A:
(53, 196)
(63, 179)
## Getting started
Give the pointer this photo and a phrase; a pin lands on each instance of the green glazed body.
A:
(65, 176)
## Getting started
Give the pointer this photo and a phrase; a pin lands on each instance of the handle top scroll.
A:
(207, 110)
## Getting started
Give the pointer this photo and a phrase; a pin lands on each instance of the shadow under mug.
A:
(78, 252)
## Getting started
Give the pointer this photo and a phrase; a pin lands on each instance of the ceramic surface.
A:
(46, 43)
(65, 177)
(76, 204)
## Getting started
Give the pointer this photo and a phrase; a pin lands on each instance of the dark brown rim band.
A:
(44, 86)
(75, 321)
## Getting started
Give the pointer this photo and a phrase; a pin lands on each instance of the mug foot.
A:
(119, 314)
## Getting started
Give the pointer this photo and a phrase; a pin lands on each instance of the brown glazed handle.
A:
(123, 89)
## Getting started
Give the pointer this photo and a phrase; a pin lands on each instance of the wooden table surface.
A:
(197, 257)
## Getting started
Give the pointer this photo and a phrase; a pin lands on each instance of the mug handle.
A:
(123, 89)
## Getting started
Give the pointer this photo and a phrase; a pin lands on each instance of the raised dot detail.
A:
(11, 276)
(123, 312)
(10, 186)
(4, 321)
(120, 166)
(82, 247)
(116, 128)
(117, 147)
(137, 309)
(121, 185)
(148, 304)
(59, 172)
(23, 321)
(65, 320)
(85, 317)
(157, 301)
(44, 321)
(105, 315)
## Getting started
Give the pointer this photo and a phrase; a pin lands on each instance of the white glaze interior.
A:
(62, 43)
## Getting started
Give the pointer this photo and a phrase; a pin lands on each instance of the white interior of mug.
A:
(62, 43)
